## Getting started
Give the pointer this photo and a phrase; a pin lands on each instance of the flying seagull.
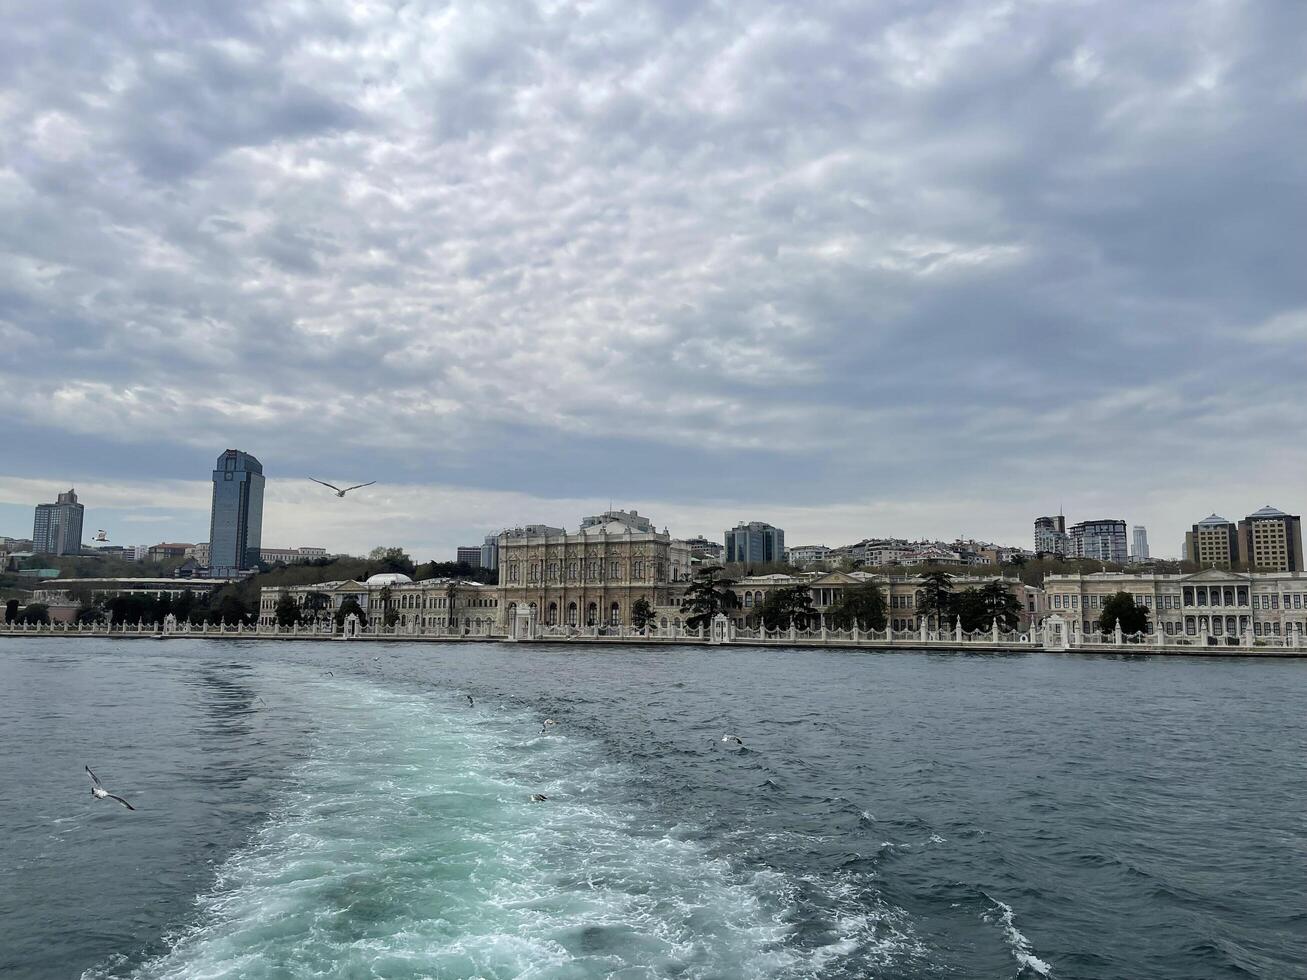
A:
(733, 738)
(470, 702)
(538, 797)
(549, 723)
(339, 491)
(100, 793)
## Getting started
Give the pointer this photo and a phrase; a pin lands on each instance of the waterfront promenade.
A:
(1050, 638)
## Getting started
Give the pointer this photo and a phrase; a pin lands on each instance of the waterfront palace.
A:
(1214, 605)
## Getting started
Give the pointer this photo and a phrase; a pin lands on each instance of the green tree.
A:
(350, 605)
(706, 596)
(88, 611)
(1121, 608)
(936, 597)
(642, 614)
(386, 597)
(35, 613)
(315, 604)
(392, 560)
(232, 611)
(287, 611)
(1000, 605)
(183, 606)
(790, 606)
(11, 611)
(968, 606)
(862, 606)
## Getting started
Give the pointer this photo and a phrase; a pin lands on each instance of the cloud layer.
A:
(754, 258)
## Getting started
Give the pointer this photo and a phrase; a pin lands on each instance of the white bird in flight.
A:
(549, 723)
(339, 491)
(735, 739)
(100, 793)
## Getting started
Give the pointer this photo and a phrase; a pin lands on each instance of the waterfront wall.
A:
(1047, 638)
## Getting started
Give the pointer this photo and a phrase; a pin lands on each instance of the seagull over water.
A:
(538, 797)
(339, 491)
(733, 738)
(470, 702)
(100, 793)
(549, 723)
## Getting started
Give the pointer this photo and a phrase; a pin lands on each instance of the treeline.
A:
(862, 605)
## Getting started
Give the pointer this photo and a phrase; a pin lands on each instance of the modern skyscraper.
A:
(1050, 535)
(1139, 546)
(1099, 540)
(236, 520)
(469, 555)
(755, 542)
(1271, 541)
(490, 552)
(57, 529)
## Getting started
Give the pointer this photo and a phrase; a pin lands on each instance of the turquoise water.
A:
(895, 815)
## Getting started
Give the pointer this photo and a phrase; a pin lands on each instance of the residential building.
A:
(881, 551)
(755, 543)
(1271, 541)
(236, 518)
(1212, 606)
(807, 554)
(165, 551)
(490, 552)
(1103, 540)
(446, 605)
(1213, 543)
(200, 552)
(1139, 544)
(593, 576)
(11, 545)
(57, 529)
(704, 550)
(469, 555)
(1051, 537)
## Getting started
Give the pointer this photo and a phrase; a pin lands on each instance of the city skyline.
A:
(726, 269)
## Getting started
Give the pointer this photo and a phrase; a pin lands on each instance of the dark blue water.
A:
(890, 814)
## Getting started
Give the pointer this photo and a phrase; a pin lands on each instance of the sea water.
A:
(341, 810)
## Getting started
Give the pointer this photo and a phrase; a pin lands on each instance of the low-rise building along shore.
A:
(432, 605)
(1214, 605)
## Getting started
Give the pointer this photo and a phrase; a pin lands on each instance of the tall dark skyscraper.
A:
(57, 529)
(236, 521)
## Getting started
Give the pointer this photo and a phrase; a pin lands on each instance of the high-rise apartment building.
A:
(1271, 541)
(236, 518)
(57, 529)
(705, 550)
(1139, 544)
(755, 542)
(1050, 536)
(469, 555)
(1212, 543)
(490, 552)
(1099, 540)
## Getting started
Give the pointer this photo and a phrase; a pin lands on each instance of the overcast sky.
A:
(870, 268)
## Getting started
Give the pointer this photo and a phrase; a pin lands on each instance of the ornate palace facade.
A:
(594, 575)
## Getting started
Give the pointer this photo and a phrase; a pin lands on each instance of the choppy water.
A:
(891, 814)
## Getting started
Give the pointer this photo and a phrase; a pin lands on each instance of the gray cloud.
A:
(767, 252)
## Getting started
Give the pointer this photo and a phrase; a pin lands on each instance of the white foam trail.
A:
(410, 848)
(1018, 943)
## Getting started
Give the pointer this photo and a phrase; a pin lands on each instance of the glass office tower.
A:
(236, 520)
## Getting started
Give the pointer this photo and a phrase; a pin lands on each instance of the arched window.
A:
(592, 614)
(552, 618)
(748, 598)
(571, 614)
(615, 614)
